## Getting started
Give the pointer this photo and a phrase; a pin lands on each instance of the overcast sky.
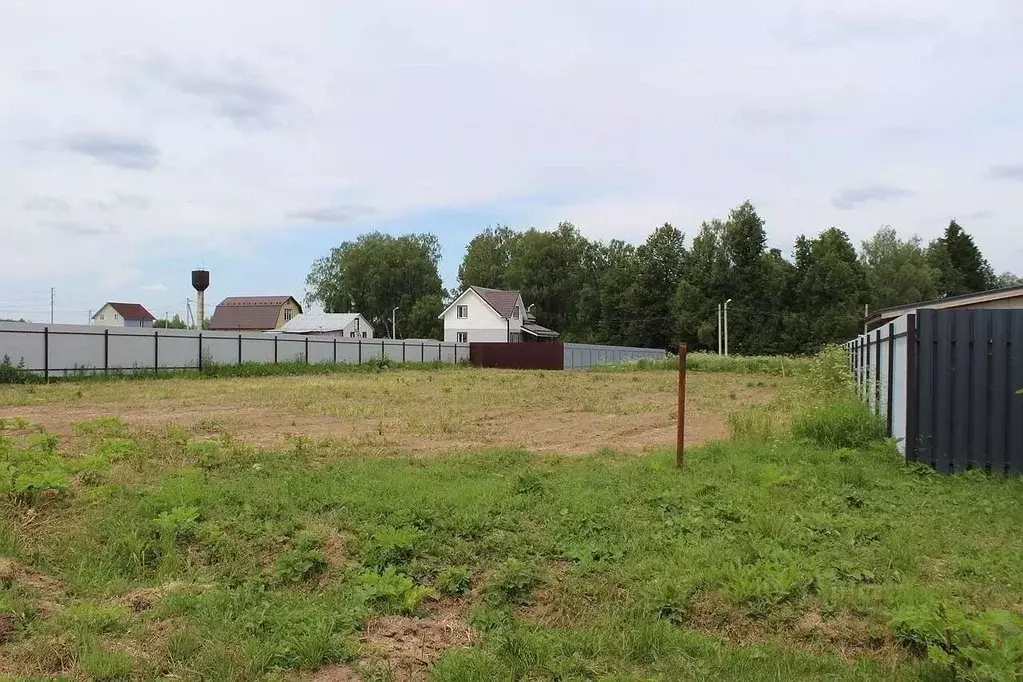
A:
(140, 139)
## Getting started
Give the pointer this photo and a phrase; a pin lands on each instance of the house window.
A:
(352, 334)
(102, 316)
(515, 312)
(463, 337)
(363, 334)
(463, 312)
(116, 316)
(288, 314)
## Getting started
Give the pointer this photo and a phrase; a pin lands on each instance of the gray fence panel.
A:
(176, 351)
(582, 355)
(68, 352)
(128, 351)
(321, 350)
(1015, 438)
(970, 364)
(221, 349)
(290, 349)
(260, 349)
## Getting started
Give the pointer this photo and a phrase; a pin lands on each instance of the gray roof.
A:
(501, 301)
(320, 322)
(961, 300)
(539, 330)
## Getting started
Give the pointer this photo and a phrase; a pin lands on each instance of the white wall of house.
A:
(481, 323)
(107, 317)
(359, 328)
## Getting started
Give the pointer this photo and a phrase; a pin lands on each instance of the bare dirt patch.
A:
(412, 412)
(404, 648)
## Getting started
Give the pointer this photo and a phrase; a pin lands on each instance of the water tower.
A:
(200, 282)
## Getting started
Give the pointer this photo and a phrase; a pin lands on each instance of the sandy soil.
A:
(410, 412)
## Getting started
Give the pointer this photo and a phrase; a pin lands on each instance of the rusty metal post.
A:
(680, 436)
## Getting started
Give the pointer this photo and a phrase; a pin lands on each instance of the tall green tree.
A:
(650, 296)
(961, 267)
(754, 311)
(1006, 280)
(487, 259)
(547, 267)
(829, 290)
(704, 284)
(378, 272)
(898, 271)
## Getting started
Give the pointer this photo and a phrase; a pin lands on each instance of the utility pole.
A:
(726, 326)
(52, 298)
(90, 316)
(866, 314)
(394, 329)
(719, 329)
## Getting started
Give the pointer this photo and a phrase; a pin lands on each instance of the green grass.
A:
(647, 567)
(712, 362)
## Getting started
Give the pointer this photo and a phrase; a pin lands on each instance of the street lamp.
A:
(394, 330)
(726, 326)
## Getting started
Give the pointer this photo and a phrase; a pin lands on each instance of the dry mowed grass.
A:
(416, 412)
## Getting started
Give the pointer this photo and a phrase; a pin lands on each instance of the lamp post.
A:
(719, 329)
(726, 326)
(394, 330)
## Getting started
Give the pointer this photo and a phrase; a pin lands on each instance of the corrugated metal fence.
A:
(961, 370)
(582, 355)
(59, 350)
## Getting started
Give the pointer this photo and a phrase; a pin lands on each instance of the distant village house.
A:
(123, 315)
(481, 314)
(254, 313)
(341, 325)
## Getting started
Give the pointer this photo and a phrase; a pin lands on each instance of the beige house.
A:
(254, 313)
(123, 315)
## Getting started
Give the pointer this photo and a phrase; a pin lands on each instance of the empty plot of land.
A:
(412, 411)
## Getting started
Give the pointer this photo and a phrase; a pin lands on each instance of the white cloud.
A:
(134, 127)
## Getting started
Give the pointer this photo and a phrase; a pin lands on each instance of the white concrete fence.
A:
(61, 349)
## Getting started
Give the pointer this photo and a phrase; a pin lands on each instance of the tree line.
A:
(662, 291)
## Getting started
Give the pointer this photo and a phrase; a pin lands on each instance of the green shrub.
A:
(845, 424)
(11, 373)
(391, 592)
(512, 583)
(26, 474)
(392, 547)
(453, 580)
(987, 646)
(298, 565)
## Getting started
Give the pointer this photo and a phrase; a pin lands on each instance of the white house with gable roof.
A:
(481, 314)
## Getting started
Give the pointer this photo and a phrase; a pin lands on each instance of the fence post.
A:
(307, 350)
(403, 352)
(456, 352)
(877, 374)
(360, 351)
(891, 374)
(422, 352)
(275, 349)
(239, 349)
(382, 353)
(200, 352)
(680, 435)
(106, 351)
(46, 354)
(912, 397)
(335, 350)
(156, 351)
